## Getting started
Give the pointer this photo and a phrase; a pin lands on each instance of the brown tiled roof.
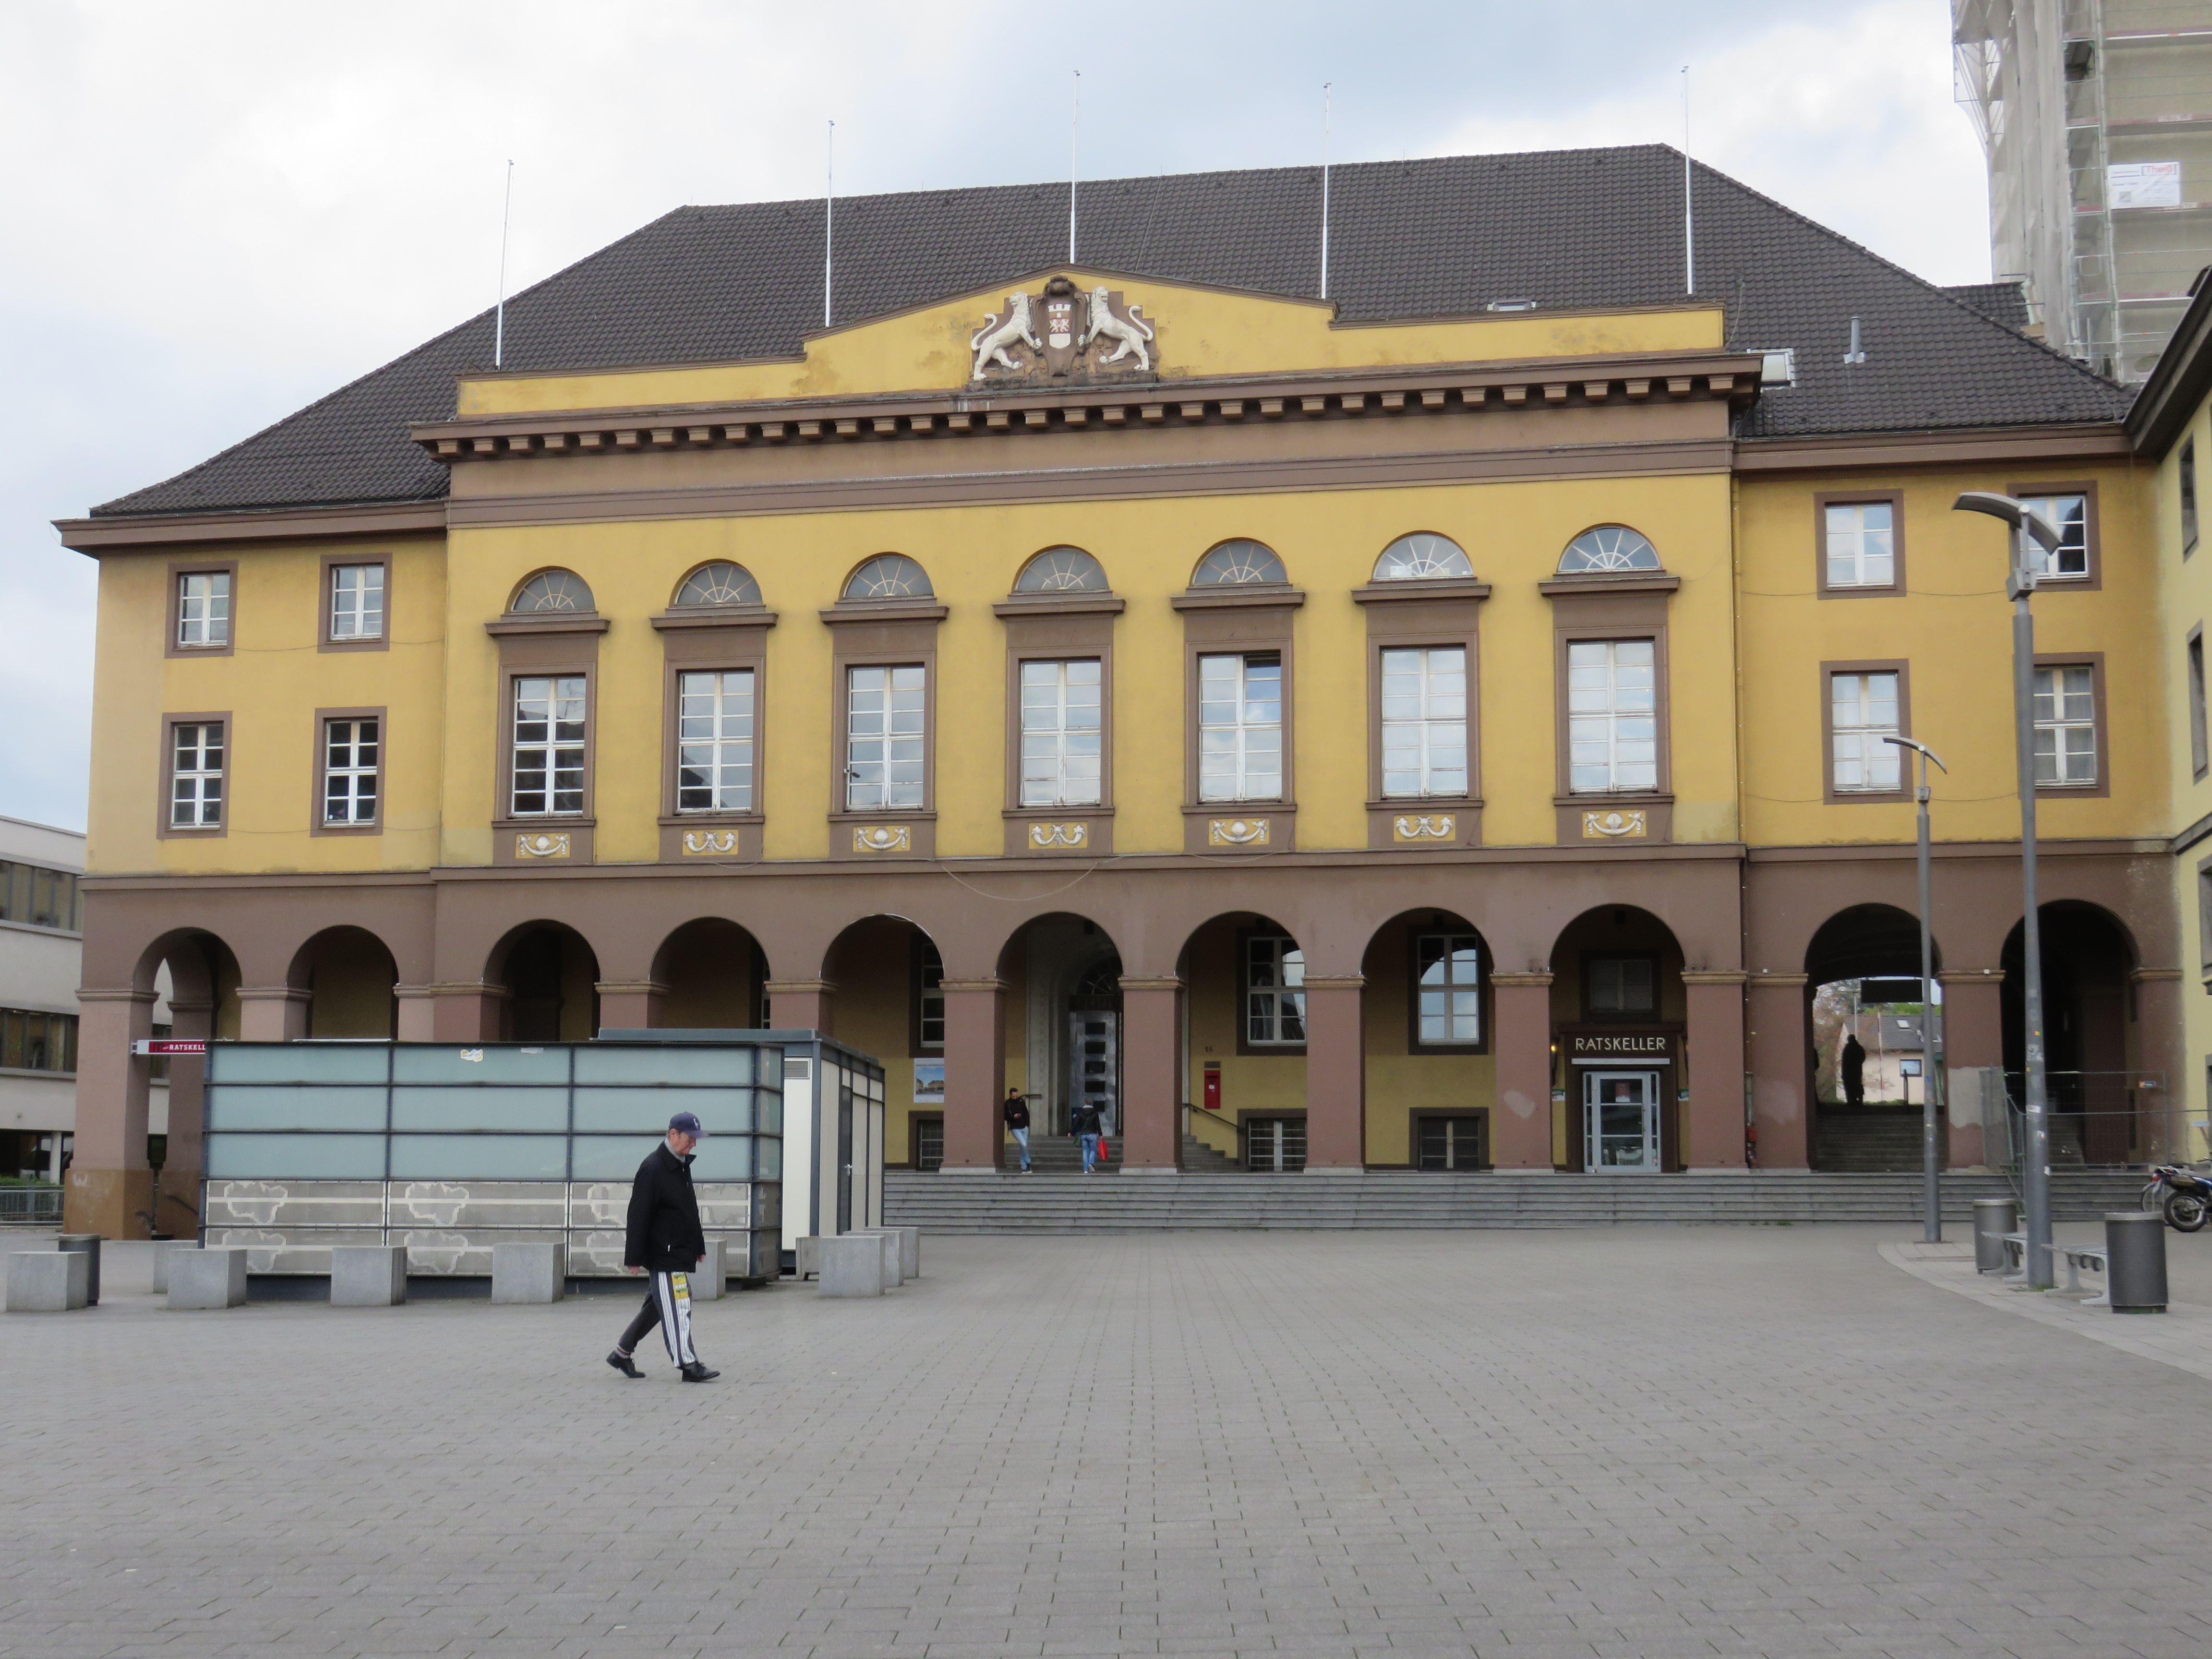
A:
(1449, 236)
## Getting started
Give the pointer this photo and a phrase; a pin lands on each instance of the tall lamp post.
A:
(1931, 1023)
(2020, 583)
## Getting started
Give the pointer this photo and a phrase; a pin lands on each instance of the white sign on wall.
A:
(2144, 184)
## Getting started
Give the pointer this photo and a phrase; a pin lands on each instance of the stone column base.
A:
(110, 1202)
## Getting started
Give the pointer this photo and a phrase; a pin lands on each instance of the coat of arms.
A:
(1062, 333)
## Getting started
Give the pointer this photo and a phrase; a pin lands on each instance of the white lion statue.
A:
(1129, 336)
(990, 341)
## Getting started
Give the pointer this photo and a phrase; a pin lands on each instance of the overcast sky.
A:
(214, 213)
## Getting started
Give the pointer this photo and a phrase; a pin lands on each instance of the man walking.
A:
(1088, 1126)
(1016, 1113)
(665, 1240)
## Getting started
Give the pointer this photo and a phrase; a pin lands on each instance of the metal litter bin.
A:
(2135, 1261)
(1993, 1218)
(89, 1243)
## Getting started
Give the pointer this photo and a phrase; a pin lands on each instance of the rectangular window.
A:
(1861, 545)
(32, 893)
(2200, 743)
(1275, 1146)
(34, 1041)
(1447, 973)
(2066, 726)
(2188, 478)
(2070, 514)
(1863, 711)
(884, 740)
(195, 774)
(928, 997)
(1062, 734)
(350, 769)
(1424, 722)
(1449, 1143)
(356, 602)
(548, 745)
(204, 609)
(1240, 727)
(1612, 716)
(1623, 988)
(1275, 991)
(714, 741)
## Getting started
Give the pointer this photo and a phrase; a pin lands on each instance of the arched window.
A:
(550, 590)
(1234, 564)
(1608, 547)
(1061, 570)
(888, 576)
(719, 583)
(1423, 557)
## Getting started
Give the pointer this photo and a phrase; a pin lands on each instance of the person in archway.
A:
(1088, 1126)
(1016, 1113)
(1854, 1070)
(664, 1239)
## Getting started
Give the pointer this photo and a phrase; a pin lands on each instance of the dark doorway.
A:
(2087, 1025)
(552, 988)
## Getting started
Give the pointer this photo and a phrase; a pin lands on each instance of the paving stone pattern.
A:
(1632, 1441)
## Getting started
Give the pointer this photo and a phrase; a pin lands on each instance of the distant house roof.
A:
(1571, 229)
(2006, 302)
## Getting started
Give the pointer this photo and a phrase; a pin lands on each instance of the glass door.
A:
(1620, 1121)
(1094, 1054)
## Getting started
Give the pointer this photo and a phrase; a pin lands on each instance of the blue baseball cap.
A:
(687, 1123)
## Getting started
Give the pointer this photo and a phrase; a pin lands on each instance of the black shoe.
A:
(695, 1372)
(622, 1362)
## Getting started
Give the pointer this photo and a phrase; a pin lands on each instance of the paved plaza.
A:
(1633, 1442)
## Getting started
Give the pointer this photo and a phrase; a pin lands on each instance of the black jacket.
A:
(1018, 1114)
(1087, 1121)
(665, 1235)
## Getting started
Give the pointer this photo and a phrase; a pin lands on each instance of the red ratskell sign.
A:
(169, 1046)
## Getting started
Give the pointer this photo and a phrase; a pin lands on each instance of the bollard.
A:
(805, 1264)
(89, 1243)
(711, 1280)
(850, 1264)
(1993, 1218)
(45, 1281)
(527, 1273)
(909, 1251)
(2135, 1261)
(894, 1256)
(162, 1247)
(207, 1278)
(368, 1275)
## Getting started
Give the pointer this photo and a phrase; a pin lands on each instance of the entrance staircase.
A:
(1066, 1203)
(1863, 1142)
(1060, 1155)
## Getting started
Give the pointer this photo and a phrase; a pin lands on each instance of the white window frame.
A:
(203, 610)
(1858, 553)
(356, 608)
(886, 737)
(1063, 732)
(1602, 712)
(1272, 972)
(1424, 724)
(1859, 762)
(1447, 979)
(715, 723)
(353, 771)
(197, 771)
(1240, 726)
(2052, 565)
(2066, 709)
(561, 705)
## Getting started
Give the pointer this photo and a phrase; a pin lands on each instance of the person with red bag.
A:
(1089, 1133)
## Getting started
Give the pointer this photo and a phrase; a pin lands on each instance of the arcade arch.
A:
(1619, 1011)
(712, 976)
(348, 976)
(547, 977)
(2105, 1105)
(1862, 980)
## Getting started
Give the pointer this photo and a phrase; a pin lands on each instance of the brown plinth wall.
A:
(1740, 923)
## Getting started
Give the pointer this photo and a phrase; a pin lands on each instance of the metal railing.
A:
(30, 1207)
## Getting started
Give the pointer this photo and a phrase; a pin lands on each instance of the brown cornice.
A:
(1061, 604)
(2098, 440)
(137, 532)
(554, 622)
(884, 611)
(1606, 581)
(1426, 590)
(717, 616)
(1245, 596)
(1430, 388)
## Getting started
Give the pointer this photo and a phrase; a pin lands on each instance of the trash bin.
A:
(89, 1243)
(1993, 1218)
(2135, 1261)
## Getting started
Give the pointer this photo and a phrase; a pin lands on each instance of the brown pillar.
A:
(109, 1182)
(1973, 1036)
(1151, 1077)
(1336, 1075)
(418, 1013)
(630, 1006)
(177, 1204)
(975, 1074)
(2162, 1133)
(272, 1013)
(1779, 1042)
(802, 1004)
(466, 1011)
(1713, 1122)
(1521, 1038)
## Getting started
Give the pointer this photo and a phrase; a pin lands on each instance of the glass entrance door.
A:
(1620, 1121)
(1094, 1052)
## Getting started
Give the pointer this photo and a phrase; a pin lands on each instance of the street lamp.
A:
(2020, 583)
(1931, 1023)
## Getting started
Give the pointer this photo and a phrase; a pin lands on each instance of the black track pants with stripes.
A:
(667, 1304)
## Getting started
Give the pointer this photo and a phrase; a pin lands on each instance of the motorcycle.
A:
(2182, 1196)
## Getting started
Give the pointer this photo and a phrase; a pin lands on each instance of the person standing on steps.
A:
(1086, 1132)
(665, 1240)
(1854, 1069)
(1016, 1113)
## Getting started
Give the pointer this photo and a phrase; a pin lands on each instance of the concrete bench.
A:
(207, 1278)
(527, 1273)
(2077, 1257)
(368, 1275)
(850, 1264)
(808, 1264)
(163, 1247)
(710, 1281)
(48, 1281)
